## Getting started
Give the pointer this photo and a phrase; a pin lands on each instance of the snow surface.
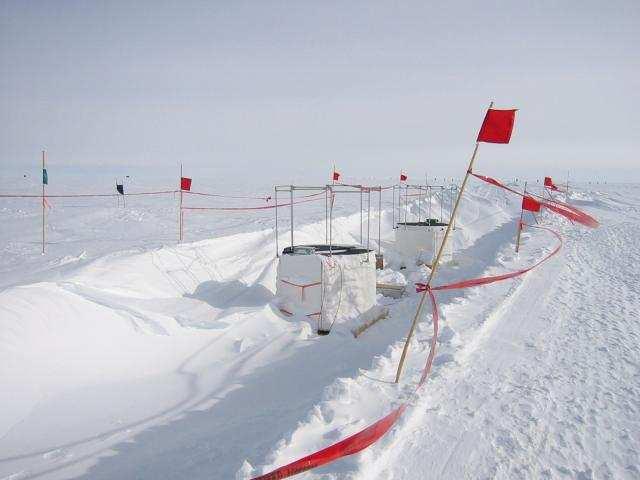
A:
(125, 355)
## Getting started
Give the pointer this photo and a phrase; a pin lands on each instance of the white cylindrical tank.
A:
(421, 240)
(326, 285)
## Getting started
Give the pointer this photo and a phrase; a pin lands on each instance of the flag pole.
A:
(43, 201)
(520, 222)
(436, 262)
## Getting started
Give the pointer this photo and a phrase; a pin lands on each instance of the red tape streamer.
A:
(84, 195)
(474, 282)
(364, 438)
(264, 207)
(564, 209)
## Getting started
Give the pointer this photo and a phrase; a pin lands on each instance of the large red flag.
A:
(185, 183)
(403, 177)
(336, 176)
(497, 126)
(530, 204)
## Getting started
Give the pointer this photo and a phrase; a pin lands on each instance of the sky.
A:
(271, 88)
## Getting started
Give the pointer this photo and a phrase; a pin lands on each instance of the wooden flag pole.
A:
(43, 200)
(520, 222)
(436, 263)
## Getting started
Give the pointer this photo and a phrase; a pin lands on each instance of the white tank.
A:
(326, 287)
(421, 240)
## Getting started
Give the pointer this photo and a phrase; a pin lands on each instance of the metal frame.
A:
(425, 193)
(330, 190)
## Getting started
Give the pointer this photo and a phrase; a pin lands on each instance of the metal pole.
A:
(393, 207)
(361, 214)
(399, 203)
(43, 201)
(441, 202)
(420, 205)
(379, 217)
(291, 196)
(331, 224)
(429, 194)
(368, 216)
(326, 214)
(275, 195)
(406, 203)
(434, 268)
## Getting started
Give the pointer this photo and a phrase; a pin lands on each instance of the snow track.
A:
(551, 390)
(173, 363)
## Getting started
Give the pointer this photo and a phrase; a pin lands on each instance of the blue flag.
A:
(45, 177)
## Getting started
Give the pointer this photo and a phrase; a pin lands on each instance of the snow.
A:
(126, 355)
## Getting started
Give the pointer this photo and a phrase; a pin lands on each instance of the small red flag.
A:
(530, 204)
(497, 126)
(336, 176)
(403, 177)
(185, 183)
(548, 183)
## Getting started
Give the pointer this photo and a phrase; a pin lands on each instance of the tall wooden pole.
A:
(520, 222)
(436, 263)
(43, 200)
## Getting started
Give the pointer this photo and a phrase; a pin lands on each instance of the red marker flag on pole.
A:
(497, 126)
(548, 183)
(530, 204)
(403, 177)
(336, 176)
(185, 184)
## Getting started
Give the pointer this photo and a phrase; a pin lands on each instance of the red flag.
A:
(548, 183)
(185, 183)
(530, 204)
(336, 176)
(403, 177)
(497, 126)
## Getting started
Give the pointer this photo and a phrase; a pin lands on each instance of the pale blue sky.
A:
(294, 86)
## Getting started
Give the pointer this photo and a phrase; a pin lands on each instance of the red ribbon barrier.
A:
(266, 198)
(84, 195)
(366, 437)
(474, 282)
(568, 211)
(263, 207)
